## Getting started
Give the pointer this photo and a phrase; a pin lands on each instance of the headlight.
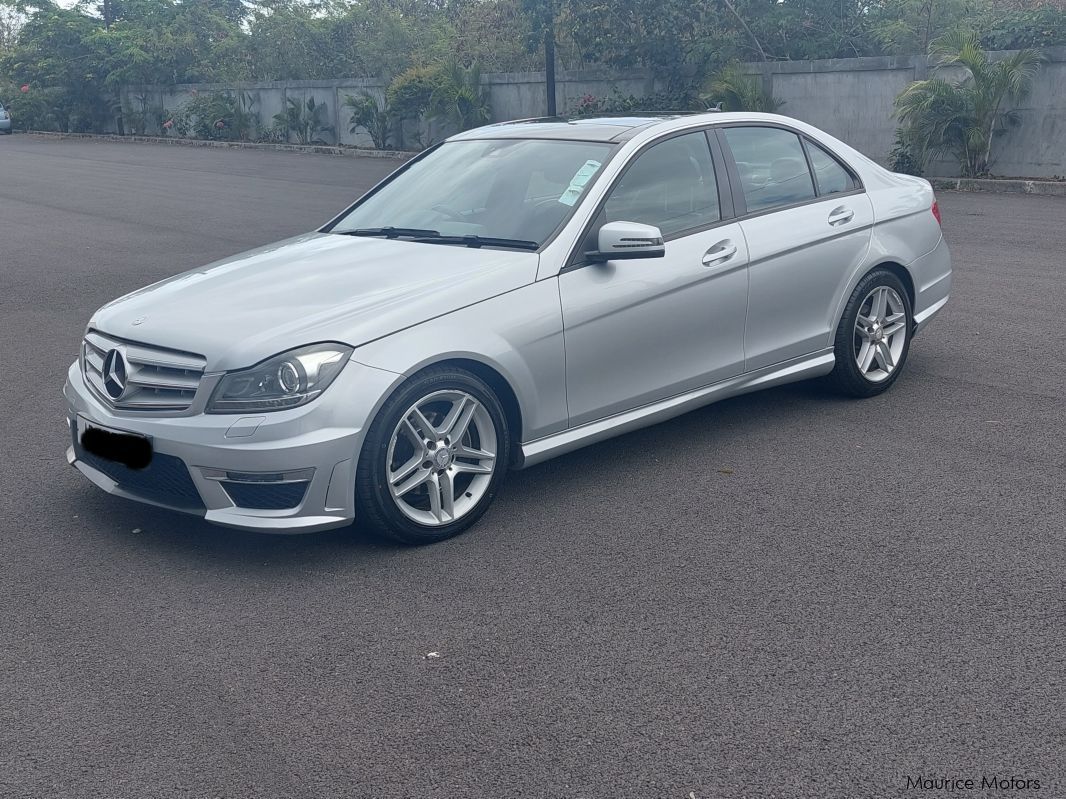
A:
(287, 380)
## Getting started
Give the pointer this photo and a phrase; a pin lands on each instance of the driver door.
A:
(638, 331)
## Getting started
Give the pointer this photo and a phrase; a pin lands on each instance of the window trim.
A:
(576, 258)
(740, 201)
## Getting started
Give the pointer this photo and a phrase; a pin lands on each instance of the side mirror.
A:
(627, 240)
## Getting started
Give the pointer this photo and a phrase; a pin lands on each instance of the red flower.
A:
(25, 88)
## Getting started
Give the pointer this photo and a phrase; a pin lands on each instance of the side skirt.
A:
(542, 449)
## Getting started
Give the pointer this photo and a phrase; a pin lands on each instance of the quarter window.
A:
(772, 166)
(831, 176)
(671, 185)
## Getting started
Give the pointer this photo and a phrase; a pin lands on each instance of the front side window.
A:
(773, 169)
(520, 189)
(671, 186)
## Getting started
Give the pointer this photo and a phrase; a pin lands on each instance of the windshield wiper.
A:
(435, 237)
(479, 241)
(390, 232)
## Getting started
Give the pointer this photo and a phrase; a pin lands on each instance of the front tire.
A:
(874, 336)
(434, 457)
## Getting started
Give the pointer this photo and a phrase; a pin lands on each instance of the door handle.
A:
(841, 215)
(722, 251)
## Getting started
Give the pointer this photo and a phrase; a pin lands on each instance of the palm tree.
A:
(736, 90)
(459, 97)
(961, 117)
(373, 115)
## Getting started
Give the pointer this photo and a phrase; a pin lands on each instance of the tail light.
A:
(936, 213)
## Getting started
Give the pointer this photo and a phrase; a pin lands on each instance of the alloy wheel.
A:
(441, 457)
(880, 333)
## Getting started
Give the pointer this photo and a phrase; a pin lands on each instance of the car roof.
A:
(602, 128)
(607, 128)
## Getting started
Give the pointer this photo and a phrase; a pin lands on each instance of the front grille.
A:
(266, 496)
(165, 480)
(158, 379)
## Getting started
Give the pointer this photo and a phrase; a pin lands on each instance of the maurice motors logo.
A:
(985, 783)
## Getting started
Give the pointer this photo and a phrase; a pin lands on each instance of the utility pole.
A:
(549, 55)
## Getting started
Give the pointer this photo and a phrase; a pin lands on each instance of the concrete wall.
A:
(853, 99)
(512, 95)
(850, 98)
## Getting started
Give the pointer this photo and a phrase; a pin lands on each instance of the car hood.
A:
(315, 287)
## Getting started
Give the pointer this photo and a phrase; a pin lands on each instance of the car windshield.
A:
(491, 191)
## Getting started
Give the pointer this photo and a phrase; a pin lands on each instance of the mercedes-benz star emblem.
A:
(115, 373)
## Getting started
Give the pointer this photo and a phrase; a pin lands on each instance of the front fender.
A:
(518, 334)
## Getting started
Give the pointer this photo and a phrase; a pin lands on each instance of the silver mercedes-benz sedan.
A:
(514, 293)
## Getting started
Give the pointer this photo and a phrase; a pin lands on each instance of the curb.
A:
(1049, 188)
(317, 149)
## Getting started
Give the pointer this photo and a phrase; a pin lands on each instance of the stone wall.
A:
(850, 98)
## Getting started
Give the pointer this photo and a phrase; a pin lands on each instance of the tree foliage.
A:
(82, 55)
(960, 117)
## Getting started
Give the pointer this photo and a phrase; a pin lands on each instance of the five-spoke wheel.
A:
(442, 457)
(873, 337)
(433, 457)
(880, 333)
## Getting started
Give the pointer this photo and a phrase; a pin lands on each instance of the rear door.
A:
(643, 330)
(807, 222)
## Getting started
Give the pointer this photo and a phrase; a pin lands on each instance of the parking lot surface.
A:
(786, 594)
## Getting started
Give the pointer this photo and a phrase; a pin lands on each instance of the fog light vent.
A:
(261, 495)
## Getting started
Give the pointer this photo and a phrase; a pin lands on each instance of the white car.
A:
(514, 293)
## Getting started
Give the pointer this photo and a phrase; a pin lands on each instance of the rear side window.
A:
(831, 177)
(773, 169)
(670, 185)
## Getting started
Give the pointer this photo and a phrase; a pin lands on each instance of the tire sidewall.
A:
(374, 501)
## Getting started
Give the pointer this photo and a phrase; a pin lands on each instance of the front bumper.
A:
(5, 125)
(217, 465)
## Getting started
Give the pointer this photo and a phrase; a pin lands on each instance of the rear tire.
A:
(873, 337)
(434, 457)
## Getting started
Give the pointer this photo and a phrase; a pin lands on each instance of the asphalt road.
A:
(786, 594)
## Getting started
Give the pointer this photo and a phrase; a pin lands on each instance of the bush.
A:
(144, 118)
(459, 98)
(224, 116)
(617, 103)
(55, 109)
(410, 93)
(961, 117)
(304, 120)
(905, 158)
(738, 91)
(372, 115)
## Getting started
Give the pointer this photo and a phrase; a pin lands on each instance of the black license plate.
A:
(130, 449)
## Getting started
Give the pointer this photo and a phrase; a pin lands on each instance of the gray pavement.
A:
(786, 594)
